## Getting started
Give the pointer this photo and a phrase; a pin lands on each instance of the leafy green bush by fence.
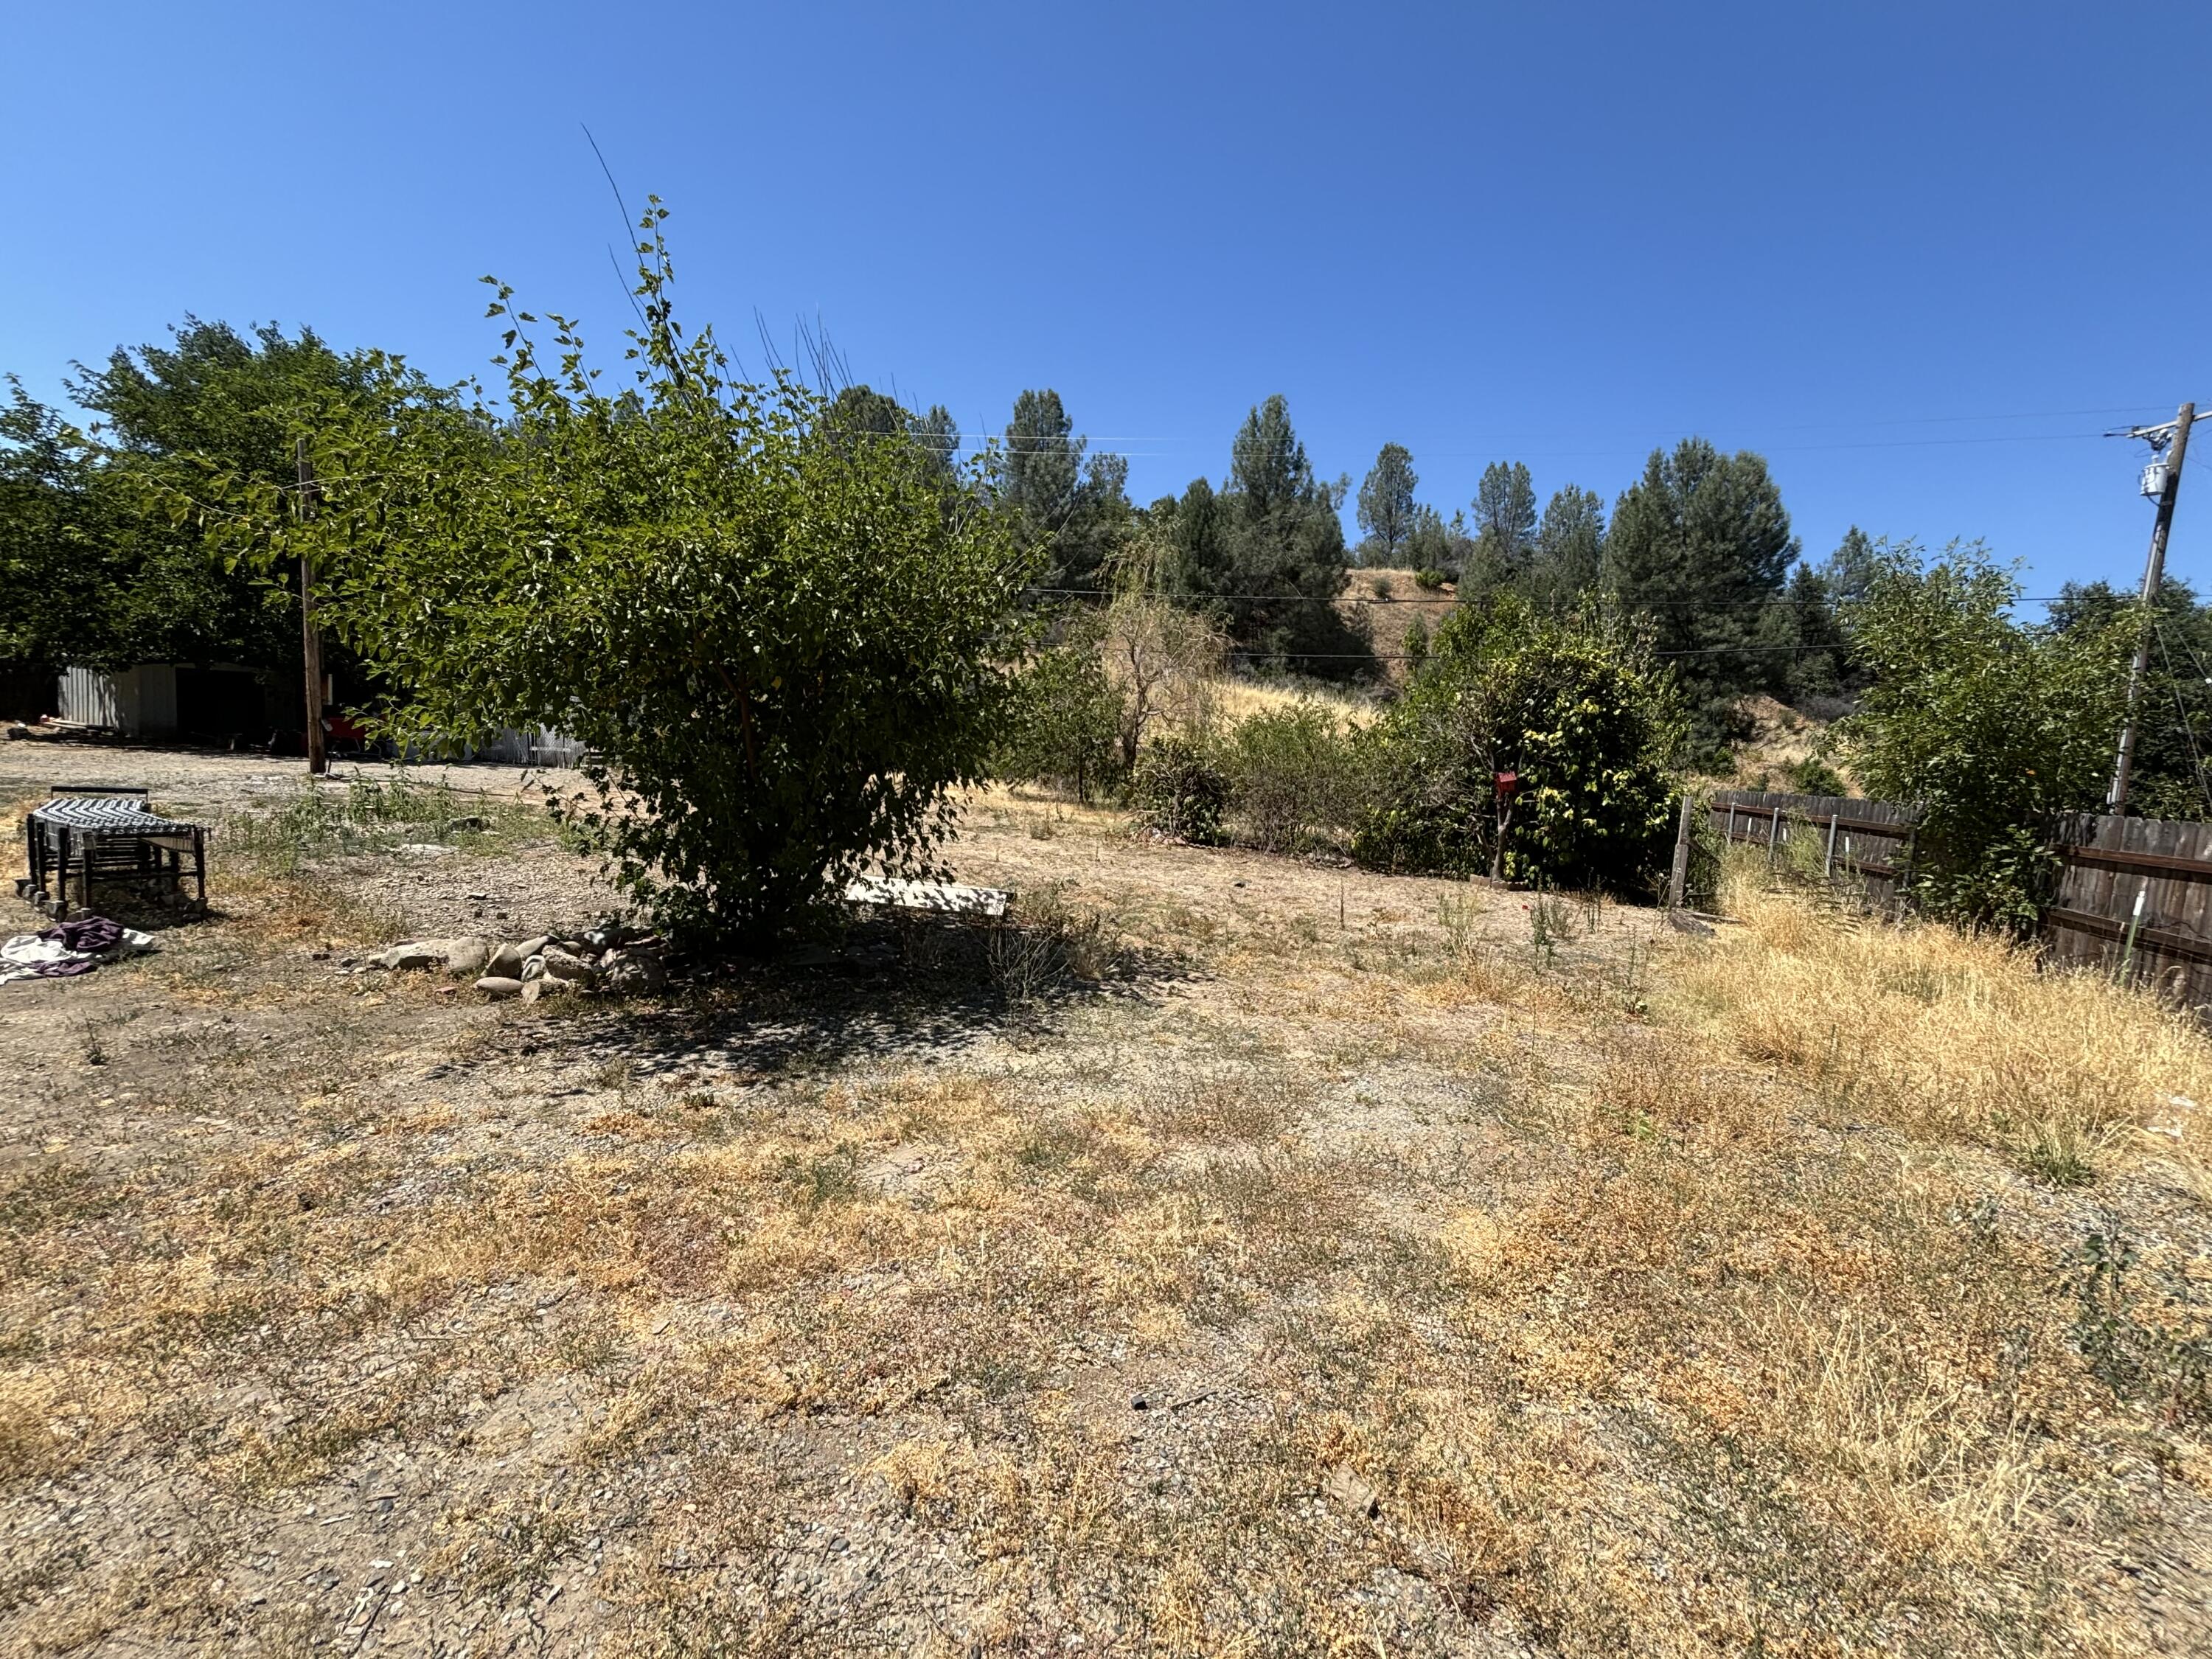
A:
(1991, 728)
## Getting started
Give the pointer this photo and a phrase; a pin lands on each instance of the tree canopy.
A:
(1702, 543)
(1074, 513)
(1991, 727)
(1387, 509)
(782, 654)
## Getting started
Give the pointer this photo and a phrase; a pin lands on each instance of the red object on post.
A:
(1508, 784)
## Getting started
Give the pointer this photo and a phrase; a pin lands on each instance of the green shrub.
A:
(1574, 706)
(1179, 789)
(1431, 579)
(1992, 729)
(1813, 776)
(1066, 723)
(1290, 779)
(782, 654)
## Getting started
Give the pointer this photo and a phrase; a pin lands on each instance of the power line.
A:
(1448, 599)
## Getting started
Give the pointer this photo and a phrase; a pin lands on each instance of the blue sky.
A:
(1918, 255)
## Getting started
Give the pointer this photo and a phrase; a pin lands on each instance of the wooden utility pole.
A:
(2116, 799)
(311, 638)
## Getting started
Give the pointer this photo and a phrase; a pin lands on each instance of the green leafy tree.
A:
(1067, 719)
(1573, 705)
(1992, 729)
(782, 654)
(2167, 777)
(1702, 545)
(99, 571)
(1387, 507)
(62, 584)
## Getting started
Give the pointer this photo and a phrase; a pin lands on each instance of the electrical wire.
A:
(2181, 707)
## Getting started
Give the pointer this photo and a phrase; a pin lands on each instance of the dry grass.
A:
(1938, 1032)
(1383, 1283)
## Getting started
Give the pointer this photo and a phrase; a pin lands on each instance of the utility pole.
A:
(311, 638)
(2166, 470)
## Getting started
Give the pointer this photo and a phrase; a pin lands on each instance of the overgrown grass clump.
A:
(371, 815)
(1957, 1033)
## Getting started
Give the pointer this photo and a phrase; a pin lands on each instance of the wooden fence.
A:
(1868, 843)
(2134, 894)
(2148, 877)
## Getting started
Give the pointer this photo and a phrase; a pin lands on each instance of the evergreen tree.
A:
(1387, 509)
(1286, 547)
(1569, 543)
(1702, 543)
(1505, 517)
(1077, 513)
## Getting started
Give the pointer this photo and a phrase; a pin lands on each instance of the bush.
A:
(783, 653)
(1179, 789)
(1814, 776)
(1290, 775)
(1994, 730)
(1574, 707)
(1431, 579)
(1065, 727)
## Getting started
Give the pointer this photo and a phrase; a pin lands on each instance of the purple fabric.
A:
(91, 934)
(65, 970)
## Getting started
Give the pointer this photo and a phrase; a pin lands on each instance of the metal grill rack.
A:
(104, 835)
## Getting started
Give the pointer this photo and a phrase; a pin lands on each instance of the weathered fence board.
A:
(1873, 838)
(2113, 864)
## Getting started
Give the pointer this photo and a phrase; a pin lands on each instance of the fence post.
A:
(1828, 867)
(1680, 877)
(1774, 836)
(1731, 829)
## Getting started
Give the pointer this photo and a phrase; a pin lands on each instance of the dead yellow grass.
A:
(1392, 1284)
(1237, 699)
(1939, 1031)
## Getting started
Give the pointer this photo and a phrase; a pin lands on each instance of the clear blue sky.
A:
(1916, 254)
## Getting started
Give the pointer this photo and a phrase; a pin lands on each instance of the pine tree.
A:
(1702, 543)
(1078, 512)
(1387, 509)
(1570, 542)
(1504, 516)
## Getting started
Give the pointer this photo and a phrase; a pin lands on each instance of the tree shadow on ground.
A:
(920, 988)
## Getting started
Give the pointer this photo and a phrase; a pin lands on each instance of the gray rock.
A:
(634, 969)
(533, 989)
(533, 967)
(421, 849)
(607, 933)
(530, 947)
(467, 959)
(499, 987)
(505, 962)
(418, 953)
(567, 964)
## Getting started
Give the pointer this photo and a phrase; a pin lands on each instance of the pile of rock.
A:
(606, 957)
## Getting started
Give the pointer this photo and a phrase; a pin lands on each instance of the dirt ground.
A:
(1244, 1255)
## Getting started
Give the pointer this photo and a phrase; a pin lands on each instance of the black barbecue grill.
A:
(104, 836)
